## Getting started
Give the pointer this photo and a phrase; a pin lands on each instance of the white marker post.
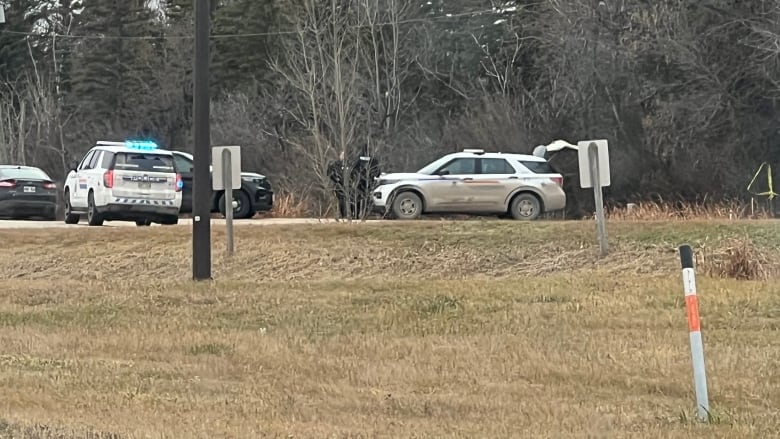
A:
(694, 327)
(594, 172)
(227, 177)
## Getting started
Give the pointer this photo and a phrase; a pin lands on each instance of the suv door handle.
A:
(514, 177)
(467, 178)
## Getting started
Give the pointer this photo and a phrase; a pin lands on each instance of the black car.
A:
(254, 196)
(27, 192)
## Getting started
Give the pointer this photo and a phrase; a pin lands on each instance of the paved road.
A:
(7, 224)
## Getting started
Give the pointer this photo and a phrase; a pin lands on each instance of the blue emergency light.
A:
(146, 145)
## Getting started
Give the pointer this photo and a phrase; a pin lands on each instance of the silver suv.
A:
(473, 182)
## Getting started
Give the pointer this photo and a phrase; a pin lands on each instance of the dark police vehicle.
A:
(254, 196)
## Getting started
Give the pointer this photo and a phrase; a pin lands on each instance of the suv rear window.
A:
(144, 162)
(539, 167)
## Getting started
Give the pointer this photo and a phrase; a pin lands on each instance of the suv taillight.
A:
(558, 181)
(179, 183)
(49, 185)
(108, 179)
(8, 183)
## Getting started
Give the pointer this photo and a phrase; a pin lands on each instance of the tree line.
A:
(686, 91)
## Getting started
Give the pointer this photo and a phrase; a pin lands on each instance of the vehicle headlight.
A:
(262, 182)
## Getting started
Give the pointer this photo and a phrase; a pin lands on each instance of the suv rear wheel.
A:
(526, 207)
(70, 217)
(170, 220)
(93, 217)
(407, 206)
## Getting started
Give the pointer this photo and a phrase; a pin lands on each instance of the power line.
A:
(249, 35)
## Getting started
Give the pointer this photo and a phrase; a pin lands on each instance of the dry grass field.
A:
(477, 329)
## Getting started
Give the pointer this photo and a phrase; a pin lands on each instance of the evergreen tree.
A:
(113, 74)
(241, 61)
(18, 39)
(178, 10)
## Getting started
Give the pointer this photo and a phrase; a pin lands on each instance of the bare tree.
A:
(326, 100)
(14, 127)
(388, 62)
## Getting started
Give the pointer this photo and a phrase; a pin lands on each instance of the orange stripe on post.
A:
(692, 305)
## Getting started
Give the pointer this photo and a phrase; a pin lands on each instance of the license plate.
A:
(146, 185)
(29, 189)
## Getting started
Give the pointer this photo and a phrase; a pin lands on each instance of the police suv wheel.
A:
(244, 208)
(93, 217)
(170, 220)
(70, 217)
(407, 206)
(526, 207)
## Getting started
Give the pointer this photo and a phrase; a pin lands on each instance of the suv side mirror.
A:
(441, 172)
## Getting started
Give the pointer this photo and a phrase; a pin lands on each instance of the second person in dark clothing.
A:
(354, 194)
(365, 170)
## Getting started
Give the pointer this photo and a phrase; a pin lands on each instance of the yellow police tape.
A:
(770, 194)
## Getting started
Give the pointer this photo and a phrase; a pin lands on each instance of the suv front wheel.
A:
(243, 208)
(407, 206)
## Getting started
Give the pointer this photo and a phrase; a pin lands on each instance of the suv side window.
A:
(182, 164)
(108, 158)
(94, 162)
(460, 166)
(85, 163)
(539, 167)
(496, 166)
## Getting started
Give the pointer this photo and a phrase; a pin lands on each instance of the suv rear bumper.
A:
(554, 200)
(132, 209)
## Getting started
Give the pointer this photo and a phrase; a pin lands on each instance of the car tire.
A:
(407, 206)
(170, 221)
(70, 217)
(143, 223)
(94, 218)
(244, 209)
(525, 207)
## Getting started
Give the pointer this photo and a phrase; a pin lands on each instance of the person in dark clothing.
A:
(336, 171)
(365, 170)
(354, 195)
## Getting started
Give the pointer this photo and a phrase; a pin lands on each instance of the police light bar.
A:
(146, 145)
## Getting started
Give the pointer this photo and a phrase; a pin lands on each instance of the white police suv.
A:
(473, 181)
(125, 181)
